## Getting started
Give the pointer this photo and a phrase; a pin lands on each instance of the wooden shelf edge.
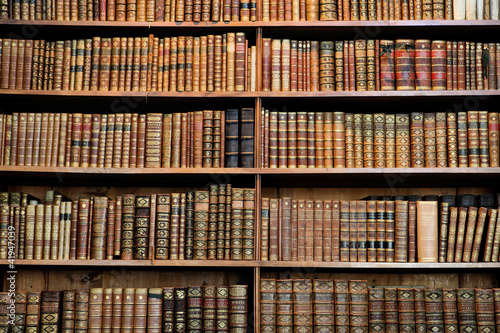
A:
(277, 24)
(381, 265)
(251, 264)
(257, 94)
(472, 172)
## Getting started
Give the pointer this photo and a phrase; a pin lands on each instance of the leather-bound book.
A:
(180, 309)
(485, 309)
(81, 310)
(268, 305)
(444, 218)
(478, 236)
(232, 138)
(162, 228)
(284, 305)
(349, 140)
(473, 138)
(427, 231)
(419, 306)
(450, 310)
(417, 145)
(490, 234)
(222, 308)
(381, 232)
(361, 231)
(376, 310)
(402, 142)
(441, 142)
(264, 236)
(339, 65)
(335, 230)
(460, 233)
(140, 309)
(227, 227)
(371, 225)
(390, 140)
(406, 309)
(368, 149)
(127, 232)
(390, 230)
(462, 139)
(466, 200)
(466, 309)
(318, 231)
(291, 141)
(493, 138)
(438, 57)
(319, 140)
(404, 65)
(95, 309)
(484, 154)
(449, 65)
(361, 69)
(168, 309)
(327, 231)
(141, 226)
(323, 305)
(344, 230)
(430, 139)
(248, 223)
(98, 235)
(273, 229)
(302, 304)
(341, 305)
(238, 307)
(379, 138)
(266, 64)
(33, 311)
(153, 140)
(175, 214)
(68, 311)
(82, 228)
(496, 302)
(221, 220)
(358, 304)
(401, 231)
(107, 310)
(423, 68)
(207, 151)
(124, 308)
(309, 230)
(326, 66)
(339, 141)
(391, 309)
(247, 137)
(212, 222)
(434, 314)
(194, 301)
(20, 298)
(154, 310)
(237, 205)
(273, 140)
(311, 139)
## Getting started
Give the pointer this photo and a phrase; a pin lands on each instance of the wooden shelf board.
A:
(243, 263)
(261, 94)
(302, 24)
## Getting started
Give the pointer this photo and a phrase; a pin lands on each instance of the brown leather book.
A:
(441, 142)
(140, 309)
(302, 304)
(335, 230)
(339, 141)
(200, 224)
(50, 302)
(390, 140)
(282, 140)
(485, 309)
(402, 143)
(417, 145)
(265, 229)
(430, 139)
(95, 309)
(153, 140)
(98, 235)
(401, 231)
(484, 154)
(286, 228)
(361, 69)
(427, 231)
(473, 138)
(462, 139)
(460, 233)
(390, 229)
(478, 235)
(371, 226)
(349, 140)
(341, 304)
(423, 68)
(381, 232)
(490, 234)
(284, 304)
(127, 230)
(376, 309)
(323, 304)
(102, 140)
(387, 63)
(466, 309)
(309, 230)
(127, 308)
(344, 230)
(68, 310)
(238, 307)
(81, 309)
(162, 229)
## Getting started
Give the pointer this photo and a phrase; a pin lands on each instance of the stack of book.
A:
(128, 140)
(373, 230)
(168, 309)
(377, 64)
(323, 305)
(361, 140)
(184, 63)
(132, 11)
(214, 224)
(371, 10)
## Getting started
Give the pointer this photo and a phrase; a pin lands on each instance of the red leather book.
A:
(387, 63)
(493, 130)
(266, 64)
(404, 66)
(438, 57)
(423, 68)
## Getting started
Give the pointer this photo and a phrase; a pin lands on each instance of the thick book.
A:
(427, 231)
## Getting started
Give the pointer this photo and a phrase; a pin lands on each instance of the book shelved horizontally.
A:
(314, 184)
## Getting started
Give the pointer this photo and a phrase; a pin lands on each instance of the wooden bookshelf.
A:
(303, 183)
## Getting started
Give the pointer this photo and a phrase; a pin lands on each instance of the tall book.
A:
(427, 231)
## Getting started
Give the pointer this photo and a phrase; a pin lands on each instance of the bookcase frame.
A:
(474, 179)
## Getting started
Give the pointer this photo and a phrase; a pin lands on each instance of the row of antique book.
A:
(223, 62)
(121, 140)
(246, 10)
(377, 231)
(365, 140)
(327, 306)
(217, 223)
(204, 308)
(371, 10)
(379, 64)
(130, 10)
